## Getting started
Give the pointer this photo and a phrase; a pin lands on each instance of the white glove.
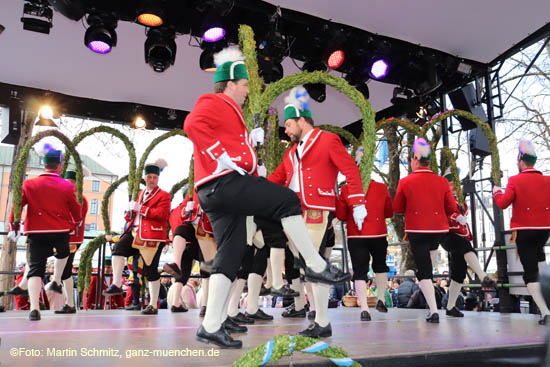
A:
(257, 136)
(133, 206)
(262, 172)
(13, 236)
(359, 215)
(496, 189)
(225, 162)
(462, 220)
(189, 206)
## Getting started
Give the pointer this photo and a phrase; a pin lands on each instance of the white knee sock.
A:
(320, 293)
(235, 297)
(361, 293)
(226, 304)
(542, 265)
(254, 287)
(381, 281)
(473, 263)
(174, 294)
(218, 293)
(118, 267)
(204, 293)
(534, 291)
(68, 286)
(179, 248)
(454, 291)
(59, 266)
(300, 301)
(154, 288)
(310, 296)
(427, 287)
(433, 257)
(35, 286)
(277, 259)
(296, 230)
(24, 281)
(268, 275)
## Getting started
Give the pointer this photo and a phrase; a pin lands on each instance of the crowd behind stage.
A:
(402, 291)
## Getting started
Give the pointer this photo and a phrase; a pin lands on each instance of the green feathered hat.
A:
(49, 154)
(297, 104)
(155, 168)
(230, 65)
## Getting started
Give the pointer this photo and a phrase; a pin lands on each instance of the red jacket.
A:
(529, 194)
(51, 205)
(459, 229)
(379, 207)
(426, 200)
(89, 297)
(177, 215)
(153, 218)
(216, 125)
(76, 240)
(323, 157)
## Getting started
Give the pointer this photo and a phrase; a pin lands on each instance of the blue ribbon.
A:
(292, 344)
(268, 352)
(317, 347)
(342, 361)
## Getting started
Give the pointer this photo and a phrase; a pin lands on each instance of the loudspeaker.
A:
(479, 144)
(12, 117)
(465, 99)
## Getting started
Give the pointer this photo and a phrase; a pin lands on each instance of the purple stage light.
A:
(213, 34)
(99, 47)
(379, 69)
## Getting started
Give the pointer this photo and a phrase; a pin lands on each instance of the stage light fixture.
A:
(379, 68)
(206, 60)
(33, 12)
(317, 91)
(2, 28)
(45, 117)
(139, 123)
(213, 34)
(150, 14)
(355, 80)
(160, 48)
(336, 59)
(100, 36)
(270, 70)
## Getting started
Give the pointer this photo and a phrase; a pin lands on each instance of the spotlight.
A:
(101, 37)
(317, 91)
(36, 10)
(354, 78)
(206, 61)
(213, 34)
(139, 123)
(336, 59)
(2, 28)
(271, 52)
(379, 68)
(45, 117)
(150, 15)
(212, 29)
(270, 70)
(160, 48)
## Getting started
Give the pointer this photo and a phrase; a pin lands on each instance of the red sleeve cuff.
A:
(144, 210)
(215, 151)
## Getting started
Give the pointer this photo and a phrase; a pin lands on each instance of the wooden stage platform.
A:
(398, 338)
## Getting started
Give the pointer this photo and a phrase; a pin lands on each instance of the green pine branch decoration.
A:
(448, 160)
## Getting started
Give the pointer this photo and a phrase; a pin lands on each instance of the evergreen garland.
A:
(21, 165)
(178, 186)
(105, 203)
(116, 133)
(191, 179)
(448, 160)
(145, 155)
(247, 45)
(85, 264)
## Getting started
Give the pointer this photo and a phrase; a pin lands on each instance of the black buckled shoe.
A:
(149, 310)
(454, 312)
(265, 291)
(18, 291)
(316, 331)
(365, 316)
(203, 311)
(488, 282)
(291, 312)
(179, 308)
(219, 338)
(112, 290)
(285, 291)
(133, 307)
(381, 307)
(172, 269)
(53, 286)
(330, 275)
(433, 318)
(66, 309)
(2, 309)
(259, 315)
(34, 315)
(232, 327)
(311, 315)
(241, 318)
(545, 320)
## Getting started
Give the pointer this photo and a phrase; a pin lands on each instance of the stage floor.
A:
(124, 337)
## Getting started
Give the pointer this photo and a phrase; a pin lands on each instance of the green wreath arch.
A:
(116, 133)
(448, 160)
(20, 168)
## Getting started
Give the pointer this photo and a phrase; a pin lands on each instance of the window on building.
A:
(87, 227)
(93, 226)
(26, 177)
(94, 206)
(95, 186)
